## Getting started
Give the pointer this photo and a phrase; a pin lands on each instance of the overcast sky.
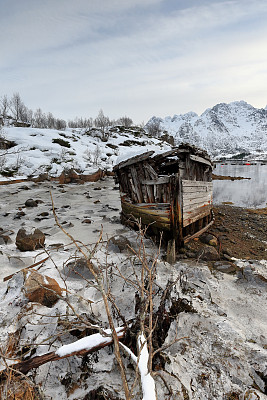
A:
(133, 57)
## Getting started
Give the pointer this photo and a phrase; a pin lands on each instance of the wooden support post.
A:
(171, 252)
(176, 212)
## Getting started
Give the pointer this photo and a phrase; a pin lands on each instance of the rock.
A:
(29, 242)
(31, 203)
(79, 269)
(119, 244)
(86, 221)
(1, 240)
(209, 239)
(6, 239)
(191, 254)
(42, 177)
(225, 267)
(70, 176)
(19, 215)
(208, 253)
(24, 187)
(41, 289)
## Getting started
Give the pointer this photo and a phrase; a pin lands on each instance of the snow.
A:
(87, 343)
(148, 383)
(37, 152)
(227, 331)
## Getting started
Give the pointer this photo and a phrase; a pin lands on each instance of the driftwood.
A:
(25, 366)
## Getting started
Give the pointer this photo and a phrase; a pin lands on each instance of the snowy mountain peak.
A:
(225, 129)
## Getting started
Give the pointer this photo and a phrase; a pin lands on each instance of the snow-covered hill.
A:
(225, 129)
(37, 151)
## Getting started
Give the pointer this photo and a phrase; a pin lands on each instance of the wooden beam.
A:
(133, 160)
(159, 181)
(188, 182)
(191, 216)
(200, 160)
(187, 238)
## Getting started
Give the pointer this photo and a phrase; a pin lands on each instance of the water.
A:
(250, 193)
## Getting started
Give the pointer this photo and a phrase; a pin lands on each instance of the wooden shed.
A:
(171, 192)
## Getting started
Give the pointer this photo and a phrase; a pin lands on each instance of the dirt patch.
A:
(241, 232)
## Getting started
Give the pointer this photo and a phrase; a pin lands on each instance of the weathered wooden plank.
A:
(160, 220)
(196, 195)
(200, 200)
(200, 159)
(191, 216)
(197, 234)
(156, 206)
(199, 190)
(188, 182)
(193, 206)
(133, 160)
(187, 203)
(151, 172)
(132, 189)
(164, 213)
(137, 185)
(161, 180)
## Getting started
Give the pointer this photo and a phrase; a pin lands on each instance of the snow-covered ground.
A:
(221, 318)
(50, 151)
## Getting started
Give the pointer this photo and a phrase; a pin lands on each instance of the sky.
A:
(137, 58)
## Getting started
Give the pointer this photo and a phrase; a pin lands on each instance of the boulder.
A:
(86, 221)
(209, 239)
(30, 242)
(119, 244)
(79, 269)
(31, 203)
(70, 176)
(225, 267)
(41, 289)
(208, 253)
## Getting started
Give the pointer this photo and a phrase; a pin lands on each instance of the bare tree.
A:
(17, 107)
(4, 104)
(153, 128)
(125, 121)
(39, 119)
(102, 122)
(60, 124)
(50, 120)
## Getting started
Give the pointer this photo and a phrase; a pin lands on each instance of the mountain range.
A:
(230, 130)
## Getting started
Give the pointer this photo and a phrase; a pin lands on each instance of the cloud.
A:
(140, 57)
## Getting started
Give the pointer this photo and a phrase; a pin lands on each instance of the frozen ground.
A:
(81, 209)
(222, 317)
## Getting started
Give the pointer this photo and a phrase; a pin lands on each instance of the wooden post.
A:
(176, 217)
(171, 252)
